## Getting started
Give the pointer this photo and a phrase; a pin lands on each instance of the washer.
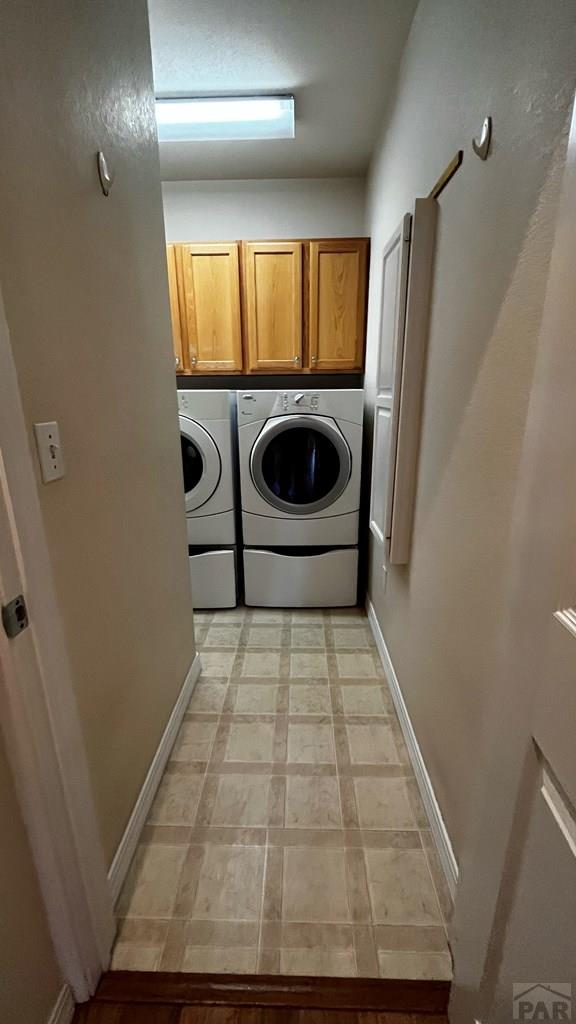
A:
(206, 425)
(300, 460)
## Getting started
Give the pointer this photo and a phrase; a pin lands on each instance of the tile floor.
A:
(287, 835)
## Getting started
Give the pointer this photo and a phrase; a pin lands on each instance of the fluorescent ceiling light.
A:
(225, 118)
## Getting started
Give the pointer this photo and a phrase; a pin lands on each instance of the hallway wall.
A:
(441, 614)
(209, 211)
(26, 950)
(85, 289)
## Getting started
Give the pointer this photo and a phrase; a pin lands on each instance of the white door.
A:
(395, 262)
(406, 288)
(515, 922)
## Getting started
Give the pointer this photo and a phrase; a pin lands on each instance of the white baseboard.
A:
(439, 831)
(127, 846)
(64, 1007)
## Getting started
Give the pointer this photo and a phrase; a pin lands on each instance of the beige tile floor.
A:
(287, 835)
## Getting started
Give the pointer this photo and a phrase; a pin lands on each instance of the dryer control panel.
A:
(293, 401)
(260, 405)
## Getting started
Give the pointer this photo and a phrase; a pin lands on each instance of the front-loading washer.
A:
(300, 458)
(206, 431)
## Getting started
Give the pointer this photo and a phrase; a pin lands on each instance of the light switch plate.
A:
(49, 451)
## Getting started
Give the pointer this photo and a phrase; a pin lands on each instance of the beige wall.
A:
(440, 616)
(208, 211)
(85, 291)
(29, 976)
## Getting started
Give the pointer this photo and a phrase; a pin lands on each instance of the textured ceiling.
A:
(338, 57)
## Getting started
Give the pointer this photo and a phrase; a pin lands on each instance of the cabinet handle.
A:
(296, 360)
(193, 360)
(177, 362)
(313, 359)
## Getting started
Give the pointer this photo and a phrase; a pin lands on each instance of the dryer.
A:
(206, 430)
(300, 462)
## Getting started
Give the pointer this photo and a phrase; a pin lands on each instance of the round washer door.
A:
(201, 464)
(300, 464)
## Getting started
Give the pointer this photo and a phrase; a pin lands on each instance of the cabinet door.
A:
(406, 289)
(395, 261)
(211, 306)
(337, 303)
(416, 327)
(272, 282)
(174, 307)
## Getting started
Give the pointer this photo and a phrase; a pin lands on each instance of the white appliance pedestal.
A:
(276, 579)
(213, 579)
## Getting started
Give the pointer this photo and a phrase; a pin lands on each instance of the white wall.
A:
(441, 615)
(208, 211)
(86, 297)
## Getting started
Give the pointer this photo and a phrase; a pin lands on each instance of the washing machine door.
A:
(300, 464)
(201, 463)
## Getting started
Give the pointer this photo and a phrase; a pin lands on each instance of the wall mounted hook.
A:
(483, 145)
(104, 173)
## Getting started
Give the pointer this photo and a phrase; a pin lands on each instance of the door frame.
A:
(40, 723)
(487, 868)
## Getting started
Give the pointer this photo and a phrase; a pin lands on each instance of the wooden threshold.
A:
(142, 1013)
(256, 990)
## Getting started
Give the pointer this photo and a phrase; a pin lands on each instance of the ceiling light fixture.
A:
(225, 118)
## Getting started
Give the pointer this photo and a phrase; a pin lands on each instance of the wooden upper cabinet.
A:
(337, 303)
(174, 307)
(275, 307)
(210, 307)
(273, 303)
